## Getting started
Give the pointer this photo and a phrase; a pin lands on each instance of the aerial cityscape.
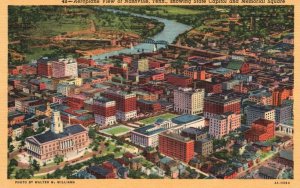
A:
(150, 92)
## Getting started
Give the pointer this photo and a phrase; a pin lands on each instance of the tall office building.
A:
(220, 104)
(189, 101)
(105, 111)
(176, 146)
(125, 104)
(254, 112)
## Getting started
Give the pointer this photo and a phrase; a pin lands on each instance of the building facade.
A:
(58, 141)
(255, 112)
(261, 130)
(125, 104)
(176, 146)
(221, 125)
(64, 68)
(105, 111)
(189, 101)
(220, 104)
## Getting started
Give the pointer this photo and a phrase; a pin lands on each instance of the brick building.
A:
(44, 67)
(179, 80)
(76, 101)
(176, 146)
(195, 73)
(146, 106)
(84, 61)
(125, 104)
(281, 94)
(105, 111)
(261, 130)
(210, 87)
(220, 104)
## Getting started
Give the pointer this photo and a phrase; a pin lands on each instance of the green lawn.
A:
(53, 26)
(151, 120)
(38, 53)
(121, 129)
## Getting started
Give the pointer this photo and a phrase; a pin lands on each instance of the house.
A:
(101, 172)
(83, 174)
(135, 163)
(286, 157)
(270, 173)
(169, 166)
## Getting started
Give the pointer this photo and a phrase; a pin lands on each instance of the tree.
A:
(27, 132)
(22, 143)
(9, 140)
(117, 149)
(23, 174)
(11, 148)
(13, 162)
(58, 159)
(135, 174)
(154, 176)
(35, 165)
(92, 133)
(10, 171)
(40, 130)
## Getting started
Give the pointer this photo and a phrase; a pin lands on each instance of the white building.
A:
(148, 135)
(64, 68)
(142, 65)
(286, 128)
(105, 111)
(221, 125)
(189, 101)
(65, 89)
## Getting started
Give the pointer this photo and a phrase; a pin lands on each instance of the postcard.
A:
(148, 93)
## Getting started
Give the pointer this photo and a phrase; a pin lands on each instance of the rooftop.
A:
(50, 136)
(175, 136)
(193, 130)
(235, 65)
(222, 98)
(99, 170)
(149, 130)
(264, 108)
(220, 70)
(264, 122)
(186, 118)
(270, 172)
(287, 154)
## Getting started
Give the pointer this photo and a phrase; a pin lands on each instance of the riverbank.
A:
(98, 51)
(169, 33)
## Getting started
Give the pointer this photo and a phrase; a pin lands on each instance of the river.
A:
(171, 30)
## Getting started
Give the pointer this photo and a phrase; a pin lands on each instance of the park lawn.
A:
(54, 27)
(116, 130)
(151, 120)
(38, 53)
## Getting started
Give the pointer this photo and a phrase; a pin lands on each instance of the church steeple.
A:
(56, 123)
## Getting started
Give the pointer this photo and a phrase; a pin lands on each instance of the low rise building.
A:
(58, 141)
(261, 130)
